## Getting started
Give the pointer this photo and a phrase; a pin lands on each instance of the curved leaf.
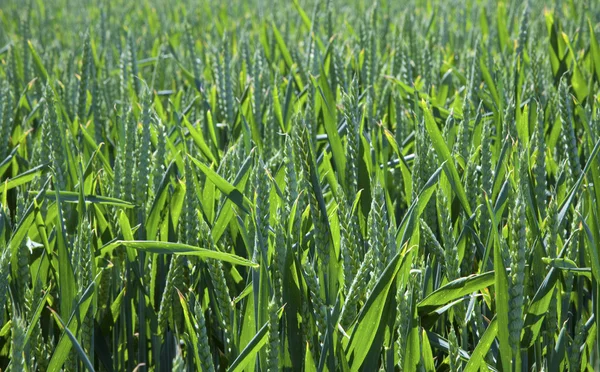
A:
(179, 248)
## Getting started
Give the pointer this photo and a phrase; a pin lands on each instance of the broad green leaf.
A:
(503, 33)
(37, 314)
(199, 140)
(566, 264)
(160, 198)
(248, 355)
(407, 225)
(412, 355)
(575, 191)
(191, 328)
(428, 361)
(502, 296)
(437, 141)
(7, 161)
(66, 276)
(23, 178)
(594, 50)
(477, 360)
(97, 147)
(73, 197)
(182, 249)
(226, 211)
(62, 349)
(212, 129)
(369, 319)
(20, 230)
(309, 361)
(330, 123)
(225, 187)
(38, 61)
(287, 57)
(487, 77)
(74, 342)
(455, 289)
(303, 16)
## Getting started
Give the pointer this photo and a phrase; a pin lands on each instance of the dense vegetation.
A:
(299, 185)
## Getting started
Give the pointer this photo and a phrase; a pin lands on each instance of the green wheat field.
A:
(299, 185)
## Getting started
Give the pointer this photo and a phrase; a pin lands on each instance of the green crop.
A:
(305, 185)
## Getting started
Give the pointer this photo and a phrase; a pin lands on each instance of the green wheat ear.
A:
(273, 343)
(464, 135)
(174, 276)
(280, 250)
(565, 108)
(517, 274)
(55, 138)
(143, 168)
(40, 348)
(97, 111)
(350, 239)
(219, 283)
(25, 30)
(430, 238)
(573, 248)
(454, 355)
(523, 32)
(257, 85)
(204, 346)
(133, 60)
(5, 124)
(4, 279)
(228, 83)
(190, 220)
(262, 212)
(378, 227)
(357, 290)
(576, 344)
(450, 250)
(539, 168)
(404, 301)
(158, 163)
(123, 78)
(351, 114)
(472, 179)
(178, 362)
(12, 74)
(86, 69)
(86, 275)
(18, 344)
(319, 309)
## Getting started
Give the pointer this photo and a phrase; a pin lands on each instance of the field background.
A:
(299, 185)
